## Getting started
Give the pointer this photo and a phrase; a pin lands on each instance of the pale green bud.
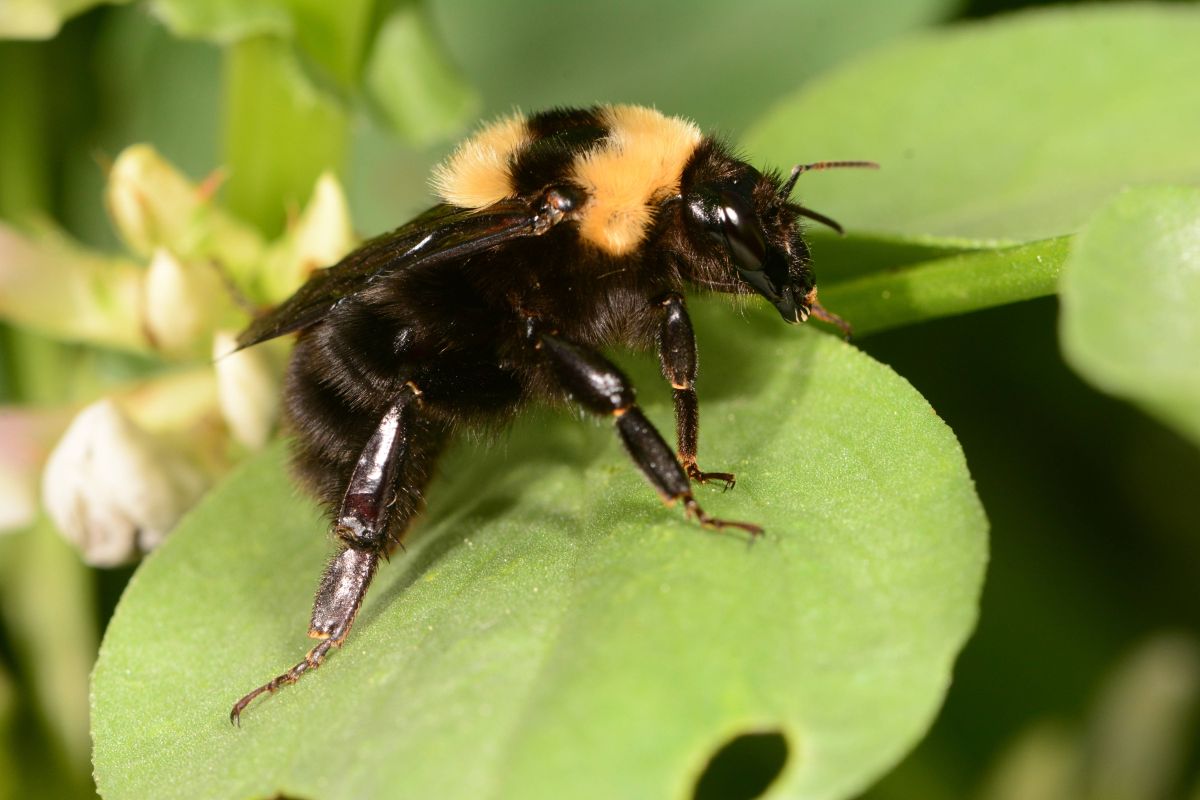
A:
(247, 390)
(153, 205)
(319, 238)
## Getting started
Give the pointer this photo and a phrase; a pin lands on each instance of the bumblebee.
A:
(558, 235)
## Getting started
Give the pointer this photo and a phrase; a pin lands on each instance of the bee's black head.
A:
(752, 230)
(755, 231)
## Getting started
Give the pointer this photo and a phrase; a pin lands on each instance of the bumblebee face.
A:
(754, 228)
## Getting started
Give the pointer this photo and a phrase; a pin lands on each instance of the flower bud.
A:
(153, 205)
(150, 202)
(183, 301)
(319, 238)
(113, 489)
(247, 391)
(324, 233)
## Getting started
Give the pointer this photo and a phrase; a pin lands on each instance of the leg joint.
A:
(594, 381)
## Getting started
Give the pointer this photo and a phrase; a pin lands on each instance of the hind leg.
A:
(382, 496)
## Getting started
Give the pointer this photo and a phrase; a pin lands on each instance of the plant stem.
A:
(948, 286)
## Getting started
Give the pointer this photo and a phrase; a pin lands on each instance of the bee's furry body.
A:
(559, 235)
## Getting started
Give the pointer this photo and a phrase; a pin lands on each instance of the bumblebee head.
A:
(758, 240)
(753, 233)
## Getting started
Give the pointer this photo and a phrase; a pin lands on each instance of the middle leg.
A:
(597, 384)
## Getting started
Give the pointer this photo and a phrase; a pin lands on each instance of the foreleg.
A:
(677, 355)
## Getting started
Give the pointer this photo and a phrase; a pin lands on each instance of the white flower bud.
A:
(173, 315)
(247, 391)
(113, 489)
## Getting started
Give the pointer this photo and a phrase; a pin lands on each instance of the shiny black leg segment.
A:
(362, 519)
(591, 379)
(677, 355)
(362, 526)
(596, 384)
(652, 454)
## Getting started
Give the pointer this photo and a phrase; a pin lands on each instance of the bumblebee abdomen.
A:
(346, 371)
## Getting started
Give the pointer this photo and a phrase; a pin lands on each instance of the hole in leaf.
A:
(744, 767)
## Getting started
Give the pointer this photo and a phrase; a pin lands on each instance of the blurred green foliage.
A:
(1095, 518)
(1130, 299)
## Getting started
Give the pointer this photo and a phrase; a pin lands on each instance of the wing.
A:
(440, 234)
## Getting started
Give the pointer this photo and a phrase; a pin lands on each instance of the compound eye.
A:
(744, 236)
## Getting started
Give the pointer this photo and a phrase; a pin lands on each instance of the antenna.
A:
(785, 191)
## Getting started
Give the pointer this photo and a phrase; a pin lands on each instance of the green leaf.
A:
(335, 35)
(47, 601)
(388, 52)
(690, 57)
(1015, 128)
(553, 631)
(1131, 302)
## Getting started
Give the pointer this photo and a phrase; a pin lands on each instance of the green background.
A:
(992, 130)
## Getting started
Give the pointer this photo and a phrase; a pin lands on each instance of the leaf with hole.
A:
(552, 631)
